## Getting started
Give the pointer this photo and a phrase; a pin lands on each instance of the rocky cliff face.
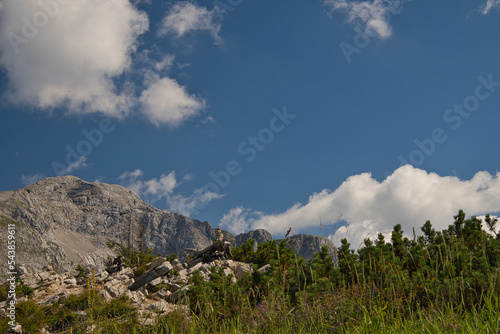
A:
(64, 221)
(306, 245)
(260, 236)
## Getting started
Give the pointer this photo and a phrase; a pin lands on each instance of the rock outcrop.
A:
(159, 291)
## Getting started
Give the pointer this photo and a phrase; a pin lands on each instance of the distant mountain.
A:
(303, 244)
(306, 245)
(64, 221)
(260, 236)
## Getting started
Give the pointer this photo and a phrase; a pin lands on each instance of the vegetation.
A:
(135, 258)
(441, 282)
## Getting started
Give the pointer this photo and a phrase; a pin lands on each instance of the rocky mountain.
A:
(260, 236)
(64, 221)
(306, 245)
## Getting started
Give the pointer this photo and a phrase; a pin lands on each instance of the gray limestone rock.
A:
(306, 245)
(260, 236)
(151, 275)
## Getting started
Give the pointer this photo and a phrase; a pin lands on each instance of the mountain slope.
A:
(64, 221)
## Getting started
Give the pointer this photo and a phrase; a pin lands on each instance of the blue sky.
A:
(258, 114)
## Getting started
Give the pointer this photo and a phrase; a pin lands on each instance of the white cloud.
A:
(131, 180)
(374, 15)
(29, 179)
(236, 220)
(154, 189)
(165, 101)
(66, 54)
(72, 54)
(409, 197)
(208, 119)
(156, 59)
(165, 63)
(79, 164)
(193, 203)
(187, 17)
(164, 188)
(490, 4)
(487, 228)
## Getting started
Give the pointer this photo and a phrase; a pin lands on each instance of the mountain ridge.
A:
(64, 221)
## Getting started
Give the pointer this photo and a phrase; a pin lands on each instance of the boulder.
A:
(151, 274)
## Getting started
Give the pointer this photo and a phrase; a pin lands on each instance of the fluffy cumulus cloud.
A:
(165, 101)
(373, 15)
(186, 17)
(164, 188)
(66, 53)
(239, 220)
(409, 197)
(192, 204)
(490, 4)
(73, 55)
(155, 188)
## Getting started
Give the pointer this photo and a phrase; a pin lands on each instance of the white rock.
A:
(265, 268)
(197, 266)
(135, 296)
(106, 295)
(15, 330)
(70, 281)
(156, 281)
(127, 272)
(206, 268)
(102, 277)
(22, 270)
(147, 321)
(183, 273)
(117, 290)
(160, 306)
(228, 272)
(112, 283)
(43, 276)
(163, 293)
